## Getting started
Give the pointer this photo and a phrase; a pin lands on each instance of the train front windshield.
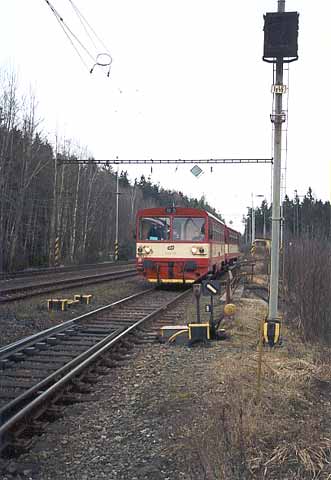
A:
(188, 229)
(154, 228)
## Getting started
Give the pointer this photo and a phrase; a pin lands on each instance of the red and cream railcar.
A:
(181, 245)
(232, 245)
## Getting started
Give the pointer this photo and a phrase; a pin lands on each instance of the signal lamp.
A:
(194, 250)
(281, 36)
(147, 249)
(229, 309)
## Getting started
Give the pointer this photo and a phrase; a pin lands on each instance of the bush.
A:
(308, 287)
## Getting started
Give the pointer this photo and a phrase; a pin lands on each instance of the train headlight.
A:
(198, 251)
(148, 250)
(140, 250)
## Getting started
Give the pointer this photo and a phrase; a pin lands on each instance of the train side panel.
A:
(232, 245)
(216, 239)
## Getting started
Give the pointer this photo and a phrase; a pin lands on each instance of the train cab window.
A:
(191, 229)
(154, 228)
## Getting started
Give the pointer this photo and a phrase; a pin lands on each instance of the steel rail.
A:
(77, 365)
(55, 283)
(17, 293)
(63, 269)
(15, 347)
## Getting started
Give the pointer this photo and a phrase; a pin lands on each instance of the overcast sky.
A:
(187, 81)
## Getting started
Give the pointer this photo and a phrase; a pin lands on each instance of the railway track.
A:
(10, 294)
(58, 270)
(45, 371)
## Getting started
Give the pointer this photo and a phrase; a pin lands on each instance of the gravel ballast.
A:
(26, 317)
(128, 428)
(154, 417)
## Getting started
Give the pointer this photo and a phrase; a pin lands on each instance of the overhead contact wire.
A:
(81, 18)
(72, 43)
(90, 27)
(65, 26)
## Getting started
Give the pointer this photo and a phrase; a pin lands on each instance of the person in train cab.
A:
(156, 233)
(153, 233)
(175, 235)
(200, 236)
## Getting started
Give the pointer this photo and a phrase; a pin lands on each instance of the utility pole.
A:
(247, 230)
(117, 214)
(280, 45)
(54, 217)
(253, 216)
(253, 220)
(264, 225)
(276, 219)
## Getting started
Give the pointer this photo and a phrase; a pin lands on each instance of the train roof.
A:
(177, 211)
(180, 211)
(232, 230)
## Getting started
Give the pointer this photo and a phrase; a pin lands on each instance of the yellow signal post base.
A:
(271, 332)
(198, 332)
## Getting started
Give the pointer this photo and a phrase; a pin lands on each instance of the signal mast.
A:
(280, 46)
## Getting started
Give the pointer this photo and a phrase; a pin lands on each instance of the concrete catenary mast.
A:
(276, 219)
(280, 45)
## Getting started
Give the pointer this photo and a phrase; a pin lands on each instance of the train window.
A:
(191, 229)
(210, 230)
(216, 231)
(154, 228)
(233, 238)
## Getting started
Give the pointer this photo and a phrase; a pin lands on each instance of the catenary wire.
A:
(72, 43)
(90, 27)
(85, 23)
(82, 20)
(67, 29)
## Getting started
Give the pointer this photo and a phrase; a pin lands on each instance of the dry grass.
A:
(286, 435)
(308, 288)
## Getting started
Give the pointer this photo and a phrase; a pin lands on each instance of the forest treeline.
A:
(43, 198)
(303, 216)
